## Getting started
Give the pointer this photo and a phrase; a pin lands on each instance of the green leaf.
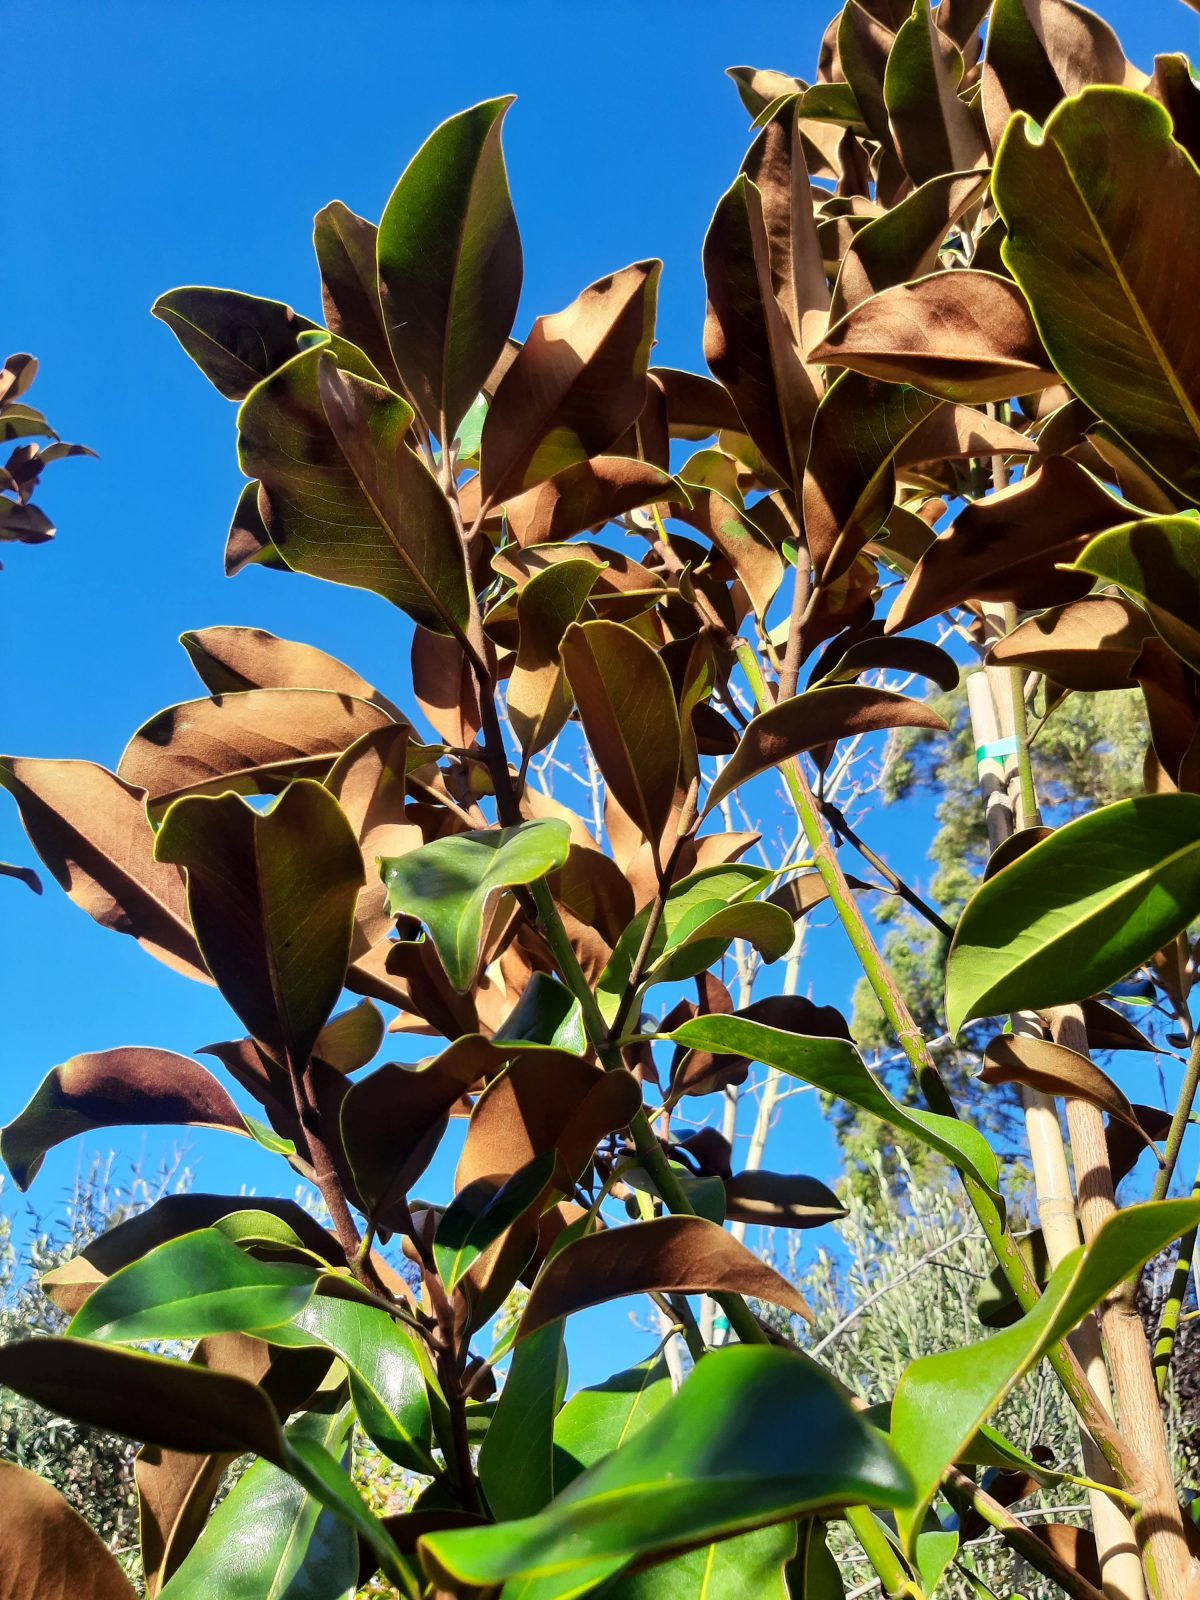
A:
(597, 1421)
(942, 1399)
(812, 720)
(1157, 561)
(110, 1089)
(270, 1536)
(720, 1459)
(450, 265)
(689, 905)
(272, 896)
(547, 1013)
(447, 884)
(192, 1286)
(386, 1381)
(346, 247)
(1087, 237)
(767, 927)
(753, 1564)
(352, 1038)
(481, 1212)
(814, 1573)
(235, 339)
(516, 1463)
(934, 1552)
(835, 1067)
(308, 1460)
(345, 498)
(628, 710)
(1077, 911)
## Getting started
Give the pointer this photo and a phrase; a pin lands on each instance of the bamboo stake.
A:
(990, 699)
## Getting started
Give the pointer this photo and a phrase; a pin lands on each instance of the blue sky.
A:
(192, 143)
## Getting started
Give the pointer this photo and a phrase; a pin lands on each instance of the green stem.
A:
(961, 1492)
(1164, 1347)
(882, 1554)
(1179, 1123)
(912, 1043)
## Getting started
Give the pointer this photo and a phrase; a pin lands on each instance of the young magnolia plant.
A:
(951, 338)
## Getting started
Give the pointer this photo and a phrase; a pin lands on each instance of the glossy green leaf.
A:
(352, 1038)
(814, 1574)
(767, 927)
(690, 903)
(270, 1536)
(516, 1462)
(835, 1067)
(1078, 911)
(721, 1458)
(481, 1212)
(628, 710)
(345, 498)
(750, 1564)
(1087, 236)
(598, 1420)
(448, 883)
(450, 265)
(272, 896)
(321, 1473)
(192, 1286)
(346, 248)
(235, 339)
(1157, 561)
(386, 1381)
(547, 1013)
(942, 1399)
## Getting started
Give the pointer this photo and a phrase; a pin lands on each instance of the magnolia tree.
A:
(951, 339)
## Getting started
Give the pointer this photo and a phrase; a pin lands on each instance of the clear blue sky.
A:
(192, 143)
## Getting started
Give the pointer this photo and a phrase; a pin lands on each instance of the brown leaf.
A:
(1090, 644)
(587, 494)
(90, 829)
(697, 407)
(254, 742)
(1054, 1070)
(47, 1550)
(1009, 546)
(539, 700)
(131, 1085)
(1014, 847)
(1075, 1547)
(575, 385)
(1124, 1145)
(801, 895)
(347, 250)
(733, 531)
(960, 433)
(1041, 51)
(1108, 1029)
(780, 1200)
(812, 720)
(228, 660)
(595, 890)
(903, 243)
(150, 1398)
(624, 589)
(547, 1100)
(747, 342)
(248, 543)
(668, 1255)
(392, 1119)
(962, 335)
(775, 166)
(444, 686)
(849, 480)
(628, 711)
(1173, 85)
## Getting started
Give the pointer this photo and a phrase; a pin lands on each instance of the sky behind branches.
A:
(192, 143)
